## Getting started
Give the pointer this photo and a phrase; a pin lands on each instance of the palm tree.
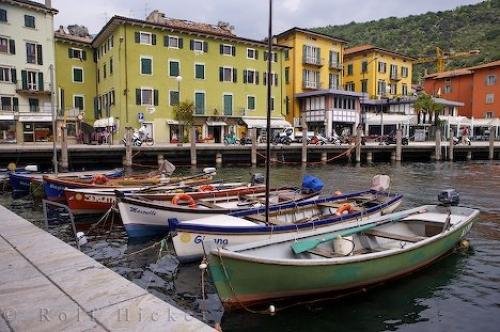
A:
(425, 104)
(184, 114)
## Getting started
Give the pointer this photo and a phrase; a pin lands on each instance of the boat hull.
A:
(20, 183)
(253, 282)
(188, 244)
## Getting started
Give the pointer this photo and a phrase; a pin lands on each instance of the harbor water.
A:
(460, 292)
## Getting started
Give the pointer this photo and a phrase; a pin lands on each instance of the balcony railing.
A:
(31, 90)
(311, 84)
(310, 60)
(336, 65)
(395, 77)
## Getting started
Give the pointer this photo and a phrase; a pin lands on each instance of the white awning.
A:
(6, 116)
(33, 118)
(216, 123)
(391, 119)
(103, 123)
(172, 122)
(262, 123)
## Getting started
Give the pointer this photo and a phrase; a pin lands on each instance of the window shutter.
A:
(40, 81)
(304, 51)
(275, 57)
(12, 46)
(330, 57)
(155, 97)
(70, 53)
(233, 50)
(276, 79)
(265, 56)
(318, 56)
(39, 54)
(112, 97)
(13, 75)
(221, 48)
(191, 44)
(137, 96)
(15, 104)
(181, 43)
(165, 41)
(95, 56)
(205, 47)
(24, 79)
(137, 37)
(61, 101)
(95, 107)
(256, 55)
(153, 39)
(235, 74)
(221, 74)
(256, 77)
(84, 55)
(264, 78)
(244, 75)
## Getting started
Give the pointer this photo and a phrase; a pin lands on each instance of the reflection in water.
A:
(459, 292)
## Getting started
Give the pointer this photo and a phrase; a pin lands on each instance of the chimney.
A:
(48, 3)
(155, 17)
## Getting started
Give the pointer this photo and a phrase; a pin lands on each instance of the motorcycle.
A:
(391, 139)
(285, 140)
(245, 140)
(136, 138)
(458, 140)
(318, 140)
(335, 139)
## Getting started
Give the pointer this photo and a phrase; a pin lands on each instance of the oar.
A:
(309, 244)
(207, 171)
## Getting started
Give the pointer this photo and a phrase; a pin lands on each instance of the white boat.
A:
(292, 218)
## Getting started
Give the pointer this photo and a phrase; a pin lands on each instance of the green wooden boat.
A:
(363, 254)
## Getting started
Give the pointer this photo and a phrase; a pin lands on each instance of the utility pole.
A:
(54, 117)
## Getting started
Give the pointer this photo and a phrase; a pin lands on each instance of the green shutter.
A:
(12, 46)
(165, 41)
(15, 104)
(235, 75)
(228, 105)
(24, 79)
(137, 96)
(245, 75)
(70, 53)
(84, 55)
(40, 81)
(155, 97)
(205, 47)
(39, 57)
(153, 39)
(13, 75)
(233, 50)
(137, 37)
(221, 74)
(181, 43)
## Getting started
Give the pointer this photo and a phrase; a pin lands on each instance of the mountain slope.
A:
(462, 29)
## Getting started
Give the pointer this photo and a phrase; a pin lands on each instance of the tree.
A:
(426, 104)
(184, 114)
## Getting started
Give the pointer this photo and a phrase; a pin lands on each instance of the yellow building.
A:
(377, 72)
(144, 67)
(314, 62)
(76, 80)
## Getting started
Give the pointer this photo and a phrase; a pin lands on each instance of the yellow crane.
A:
(442, 56)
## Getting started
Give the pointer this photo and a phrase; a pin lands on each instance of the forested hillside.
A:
(462, 29)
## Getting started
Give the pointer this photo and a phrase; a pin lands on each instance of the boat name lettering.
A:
(134, 209)
(99, 198)
(55, 186)
(199, 239)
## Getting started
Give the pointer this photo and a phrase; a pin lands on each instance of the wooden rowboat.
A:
(355, 256)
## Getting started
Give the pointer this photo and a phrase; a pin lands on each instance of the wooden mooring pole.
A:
(253, 135)
(193, 146)
(399, 144)
(438, 145)
(491, 154)
(358, 144)
(451, 149)
(64, 149)
(127, 161)
(304, 138)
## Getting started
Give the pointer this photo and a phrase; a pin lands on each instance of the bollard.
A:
(193, 147)
(127, 162)
(253, 135)
(218, 159)
(369, 157)
(438, 145)
(64, 149)
(393, 155)
(492, 143)
(451, 148)
(324, 157)
(399, 144)
(358, 145)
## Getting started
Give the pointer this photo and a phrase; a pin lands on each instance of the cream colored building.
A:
(26, 54)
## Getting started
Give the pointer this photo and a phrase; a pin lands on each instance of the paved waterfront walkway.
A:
(47, 285)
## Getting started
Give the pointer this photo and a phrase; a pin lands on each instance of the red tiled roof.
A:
(78, 39)
(462, 71)
(367, 47)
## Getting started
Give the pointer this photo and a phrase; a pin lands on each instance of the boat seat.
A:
(329, 253)
(394, 236)
(208, 205)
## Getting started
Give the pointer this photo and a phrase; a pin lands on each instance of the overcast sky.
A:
(249, 17)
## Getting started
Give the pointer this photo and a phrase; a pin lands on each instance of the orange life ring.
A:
(184, 197)
(206, 187)
(344, 207)
(99, 179)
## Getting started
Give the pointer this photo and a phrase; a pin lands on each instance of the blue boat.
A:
(21, 183)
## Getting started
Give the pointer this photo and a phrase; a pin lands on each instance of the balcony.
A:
(311, 84)
(395, 77)
(32, 90)
(310, 60)
(336, 65)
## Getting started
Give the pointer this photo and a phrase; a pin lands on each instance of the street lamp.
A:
(178, 79)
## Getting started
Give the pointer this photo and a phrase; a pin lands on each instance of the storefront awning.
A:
(6, 117)
(485, 122)
(172, 122)
(391, 119)
(103, 123)
(216, 123)
(33, 118)
(262, 123)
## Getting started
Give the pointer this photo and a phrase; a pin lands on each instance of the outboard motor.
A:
(311, 184)
(381, 182)
(257, 178)
(449, 197)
